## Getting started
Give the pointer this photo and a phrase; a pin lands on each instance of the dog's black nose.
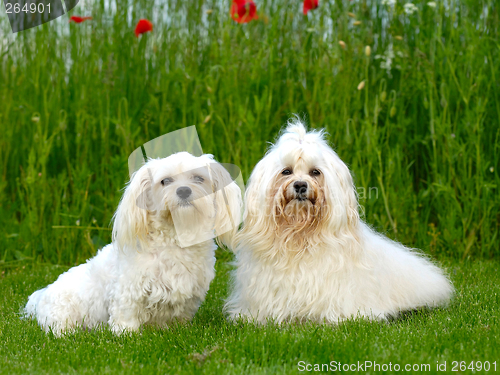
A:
(300, 187)
(183, 192)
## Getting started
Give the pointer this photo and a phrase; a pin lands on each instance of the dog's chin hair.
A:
(194, 219)
(298, 213)
(296, 221)
(297, 224)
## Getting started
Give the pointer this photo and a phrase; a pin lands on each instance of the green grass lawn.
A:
(467, 330)
(422, 138)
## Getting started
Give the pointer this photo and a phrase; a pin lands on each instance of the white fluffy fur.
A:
(146, 275)
(308, 256)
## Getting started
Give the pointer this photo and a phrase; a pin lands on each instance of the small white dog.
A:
(304, 254)
(149, 274)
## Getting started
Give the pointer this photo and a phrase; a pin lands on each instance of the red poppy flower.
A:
(77, 19)
(310, 5)
(143, 26)
(243, 11)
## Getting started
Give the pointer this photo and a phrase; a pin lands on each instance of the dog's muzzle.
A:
(300, 188)
(183, 192)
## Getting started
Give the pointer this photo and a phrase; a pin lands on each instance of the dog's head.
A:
(300, 191)
(191, 199)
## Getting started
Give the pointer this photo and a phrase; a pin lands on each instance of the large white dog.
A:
(161, 261)
(304, 254)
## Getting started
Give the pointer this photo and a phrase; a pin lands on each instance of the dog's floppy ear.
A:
(228, 202)
(342, 192)
(256, 206)
(130, 219)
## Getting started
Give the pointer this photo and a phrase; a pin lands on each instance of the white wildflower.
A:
(390, 53)
(389, 2)
(432, 4)
(410, 8)
(387, 58)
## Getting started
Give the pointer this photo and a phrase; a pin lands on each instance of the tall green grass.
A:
(425, 136)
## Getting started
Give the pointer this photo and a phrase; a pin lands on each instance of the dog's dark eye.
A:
(198, 179)
(287, 172)
(315, 172)
(167, 181)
